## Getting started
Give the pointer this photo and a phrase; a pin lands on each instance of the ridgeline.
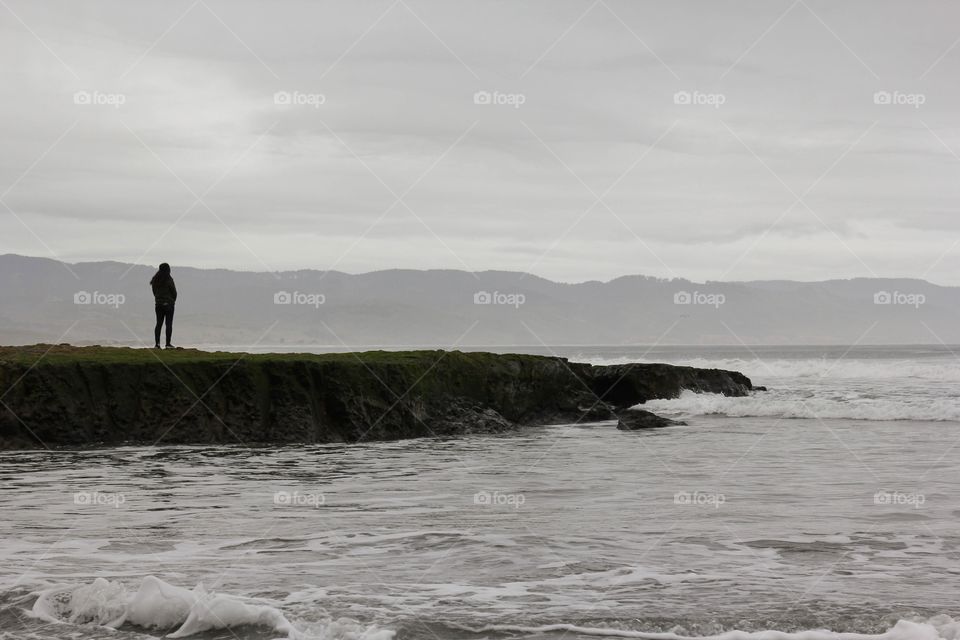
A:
(103, 396)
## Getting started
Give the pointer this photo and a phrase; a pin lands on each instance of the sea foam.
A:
(940, 370)
(158, 605)
(784, 405)
(937, 628)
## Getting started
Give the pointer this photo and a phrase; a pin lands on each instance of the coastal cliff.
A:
(77, 396)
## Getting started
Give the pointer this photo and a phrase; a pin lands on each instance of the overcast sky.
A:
(588, 164)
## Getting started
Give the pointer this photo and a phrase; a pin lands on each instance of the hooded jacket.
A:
(164, 290)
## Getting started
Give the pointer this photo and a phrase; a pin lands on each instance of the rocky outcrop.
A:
(626, 385)
(76, 396)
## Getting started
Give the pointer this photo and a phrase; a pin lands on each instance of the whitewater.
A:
(821, 509)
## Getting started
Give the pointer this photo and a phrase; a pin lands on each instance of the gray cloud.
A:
(294, 186)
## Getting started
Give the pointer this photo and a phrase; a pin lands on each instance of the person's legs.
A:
(156, 330)
(169, 318)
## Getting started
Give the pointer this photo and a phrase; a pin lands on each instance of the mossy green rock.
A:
(76, 396)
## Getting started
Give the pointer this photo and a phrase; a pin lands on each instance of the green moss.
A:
(68, 354)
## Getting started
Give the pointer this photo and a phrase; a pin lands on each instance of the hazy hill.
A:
(437, 308)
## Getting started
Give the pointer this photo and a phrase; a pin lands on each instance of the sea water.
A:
(825, 507)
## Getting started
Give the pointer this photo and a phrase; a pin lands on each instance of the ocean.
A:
(825, 507)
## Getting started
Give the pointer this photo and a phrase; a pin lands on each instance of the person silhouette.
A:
(165, 297)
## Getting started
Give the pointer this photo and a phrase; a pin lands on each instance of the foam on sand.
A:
(159, 605)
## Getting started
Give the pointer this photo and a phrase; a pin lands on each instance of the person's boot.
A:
(156, 346)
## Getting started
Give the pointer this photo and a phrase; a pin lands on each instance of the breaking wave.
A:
(180, 612)
(785, 405)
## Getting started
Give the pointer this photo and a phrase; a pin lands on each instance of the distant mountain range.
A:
(43, 300)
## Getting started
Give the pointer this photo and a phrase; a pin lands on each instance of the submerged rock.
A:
(637, 419)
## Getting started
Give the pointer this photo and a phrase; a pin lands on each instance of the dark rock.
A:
(81, 396)
(464, 419)
(626, 385)
(637, 419)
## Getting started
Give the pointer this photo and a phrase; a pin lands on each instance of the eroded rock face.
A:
(469, 420)
(640, 419)
(80, 396)
(626, 385)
